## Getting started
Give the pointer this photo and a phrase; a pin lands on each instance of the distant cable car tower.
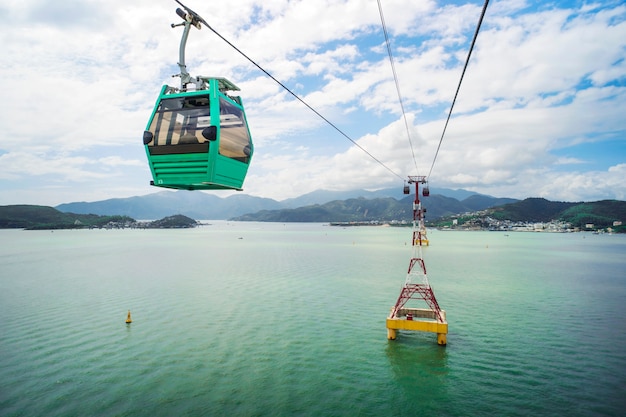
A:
(419, 234)
(416, 286)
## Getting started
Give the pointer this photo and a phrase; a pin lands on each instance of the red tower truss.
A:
(416, 285)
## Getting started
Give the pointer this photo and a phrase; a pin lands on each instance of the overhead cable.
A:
(395, 77)
(480, 21)
(290, 92)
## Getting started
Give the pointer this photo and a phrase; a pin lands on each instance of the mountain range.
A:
(321, 205)
(442, 208)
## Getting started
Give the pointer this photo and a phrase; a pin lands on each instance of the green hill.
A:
(531, 210)
(47, 218)
(600, 213)
(42, 217)
(374, 209)
(177, 221)
(350, 210)
(583, 216)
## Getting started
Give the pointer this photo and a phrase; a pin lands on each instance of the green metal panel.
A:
(229, 171)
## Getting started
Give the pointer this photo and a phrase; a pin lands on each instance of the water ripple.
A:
(268, 319)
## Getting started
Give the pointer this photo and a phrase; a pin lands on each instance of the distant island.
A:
(31, 217)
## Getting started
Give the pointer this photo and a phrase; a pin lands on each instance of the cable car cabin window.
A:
(234, 135)
(178, 122)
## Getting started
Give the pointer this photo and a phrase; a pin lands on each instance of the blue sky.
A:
(541, 112)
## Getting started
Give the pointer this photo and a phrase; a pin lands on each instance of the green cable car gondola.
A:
(197, 137)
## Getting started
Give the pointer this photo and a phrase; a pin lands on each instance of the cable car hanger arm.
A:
(190, 18)
(195, 18)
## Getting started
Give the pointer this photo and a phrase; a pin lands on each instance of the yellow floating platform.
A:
(410, 319)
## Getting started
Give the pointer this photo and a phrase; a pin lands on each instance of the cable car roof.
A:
(223, 83)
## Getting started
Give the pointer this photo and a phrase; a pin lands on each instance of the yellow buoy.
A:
(128, 319)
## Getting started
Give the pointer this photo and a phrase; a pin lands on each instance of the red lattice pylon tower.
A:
(416, 286)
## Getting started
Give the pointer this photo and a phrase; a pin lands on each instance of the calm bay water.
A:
(262, 319)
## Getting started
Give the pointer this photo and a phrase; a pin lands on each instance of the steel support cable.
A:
(289, 90)
(395, 77)
(469, 54)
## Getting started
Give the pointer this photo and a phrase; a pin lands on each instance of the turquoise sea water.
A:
(262, 319)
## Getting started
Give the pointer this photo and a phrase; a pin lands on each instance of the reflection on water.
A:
(420, 369)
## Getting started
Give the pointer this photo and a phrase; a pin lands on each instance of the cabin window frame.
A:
(171, 120)
(235, 141)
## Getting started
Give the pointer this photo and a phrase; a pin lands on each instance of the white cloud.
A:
(19, 164)
(80, 83)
